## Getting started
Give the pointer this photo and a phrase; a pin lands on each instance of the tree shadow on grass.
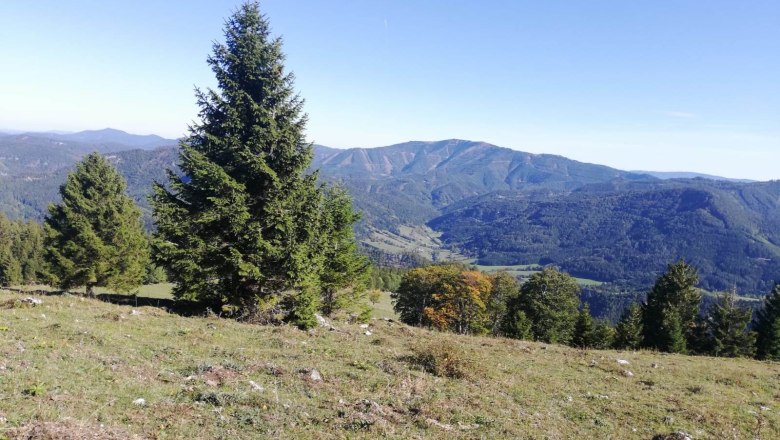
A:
(179, 307)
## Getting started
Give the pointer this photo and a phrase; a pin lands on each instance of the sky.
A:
(664, 85)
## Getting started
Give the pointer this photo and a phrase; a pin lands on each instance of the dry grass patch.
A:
(444, 359)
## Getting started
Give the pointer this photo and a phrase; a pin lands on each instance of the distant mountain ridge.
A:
(408, 183)
(35, 153)
(689, 175)
(498, 205)
(114, 137)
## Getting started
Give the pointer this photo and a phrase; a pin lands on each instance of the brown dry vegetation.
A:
(73, 367)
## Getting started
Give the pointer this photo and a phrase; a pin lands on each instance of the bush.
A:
(443, 359)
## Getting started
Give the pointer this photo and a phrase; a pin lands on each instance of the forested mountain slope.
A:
(408, 183)
(628, 232)
(500, 205)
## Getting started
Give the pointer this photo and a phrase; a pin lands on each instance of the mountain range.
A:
(496, 205)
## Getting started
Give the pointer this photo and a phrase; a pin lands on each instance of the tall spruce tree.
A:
(674, 293)
(95, 236)
(767, 326)
(243, 224)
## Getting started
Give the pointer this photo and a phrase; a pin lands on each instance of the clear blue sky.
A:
(654, 85)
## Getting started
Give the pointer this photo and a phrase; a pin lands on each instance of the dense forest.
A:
(625, 233)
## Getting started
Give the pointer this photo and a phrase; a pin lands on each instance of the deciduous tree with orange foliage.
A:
(449, 298)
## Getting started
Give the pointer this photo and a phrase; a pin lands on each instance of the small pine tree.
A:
(767, 326)
(29, 250)
(674, 301)
(346, 272)
(603, 335)
(699, 339)
(10, 269)
(671, 335)
(628, 332)
(95, 236)
(517, 325)
(505, 289)
(583, 329)
(728, 328)
(550, 301)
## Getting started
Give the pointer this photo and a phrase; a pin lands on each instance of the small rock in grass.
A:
(623, 362)
(679, 435)
(439, 424)
(211, 383)
(764, 408)
(311, 374)
(363, 325)
(33, 301)
(135, 312)
(627, 373)
(324, 322)
(468, 426)
(569, 398)
(139, 402)
(255, 386)
(368, 333)
(654, 365)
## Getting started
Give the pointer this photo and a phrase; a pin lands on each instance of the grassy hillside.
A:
(73, 365)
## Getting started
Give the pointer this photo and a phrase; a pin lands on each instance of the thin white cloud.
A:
(681, 115)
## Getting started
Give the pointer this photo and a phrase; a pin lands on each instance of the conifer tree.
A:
(345, 273)
(549, 300)
(603, 335)
(95, 236)
(505, 289)
(628, 332)
(10, 269)
(583, 329)
(727, 325)
(767, 326)
(516, 324)
(670, 333)
(244, 224)
(674, 293)
(29, 252)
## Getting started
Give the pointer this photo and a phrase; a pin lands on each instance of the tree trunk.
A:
(90, 290)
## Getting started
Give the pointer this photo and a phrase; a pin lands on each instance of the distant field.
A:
(81, 368)
(419, 240)
(384, 308)
(526, 270)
